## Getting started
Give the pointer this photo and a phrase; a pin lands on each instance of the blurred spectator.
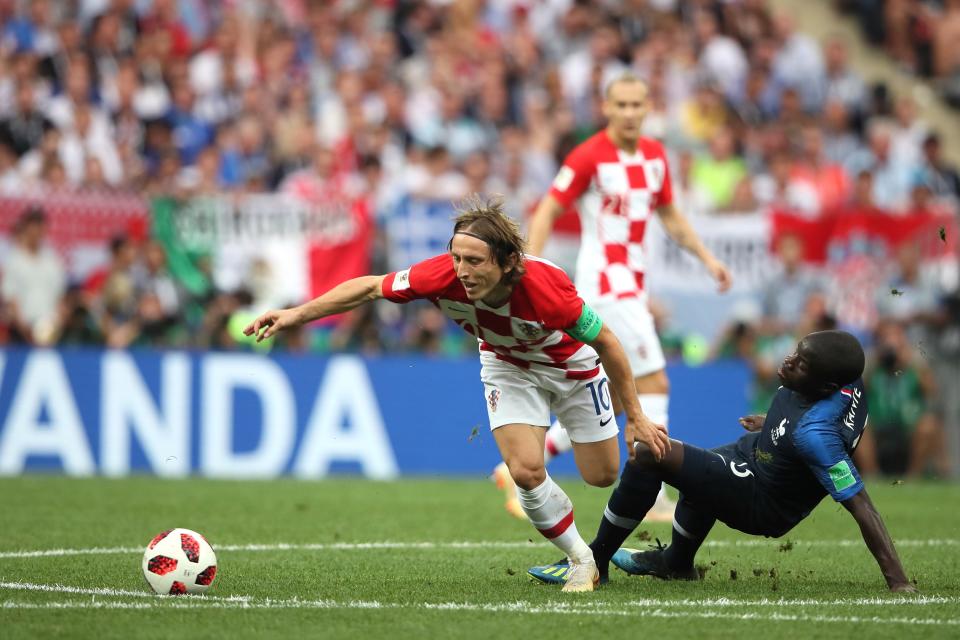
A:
(33, 281)
(891, 175)
(910, 294)
(24, 130)
(798, 63)
(718, 173)
(786, 291)
(901, 394)
(828, 180)
(840, 141)
(779, 190)
(843, 85)
(933, 171)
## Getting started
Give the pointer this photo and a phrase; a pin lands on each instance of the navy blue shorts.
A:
(722, 483)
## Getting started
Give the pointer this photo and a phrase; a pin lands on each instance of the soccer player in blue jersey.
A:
(763, 484)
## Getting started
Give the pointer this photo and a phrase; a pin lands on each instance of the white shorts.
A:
(528, 396)
(631, 321)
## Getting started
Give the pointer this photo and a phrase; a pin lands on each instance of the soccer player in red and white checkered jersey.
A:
(542, 349)
(618, 179)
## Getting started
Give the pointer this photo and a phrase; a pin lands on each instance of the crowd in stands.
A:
(427, 101)
(921, 35)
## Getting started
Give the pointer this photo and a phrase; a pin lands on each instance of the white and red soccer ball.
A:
(179, 561)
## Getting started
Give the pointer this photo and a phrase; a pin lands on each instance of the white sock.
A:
(551, 512)
(655, 407)
(557, 442)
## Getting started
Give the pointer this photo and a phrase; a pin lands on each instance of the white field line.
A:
(920, 600)
(515, 607)
(366, 546)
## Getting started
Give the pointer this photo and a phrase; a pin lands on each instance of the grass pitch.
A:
(445, 561)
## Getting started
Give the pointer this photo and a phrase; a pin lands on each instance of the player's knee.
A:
(604, 477)
(527, 476)
(644, 458)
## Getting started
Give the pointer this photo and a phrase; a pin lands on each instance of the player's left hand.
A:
(721, 274)
(752, 423)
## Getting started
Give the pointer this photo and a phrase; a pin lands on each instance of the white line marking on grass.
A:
(513, 607)
(366, 546)
(102, 591)
(656, 603)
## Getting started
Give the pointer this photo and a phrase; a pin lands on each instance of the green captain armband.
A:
(587, 327)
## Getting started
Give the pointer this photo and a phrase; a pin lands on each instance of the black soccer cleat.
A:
(650, 563)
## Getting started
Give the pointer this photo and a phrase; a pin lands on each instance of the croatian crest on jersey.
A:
(493, 399)
(530, 330)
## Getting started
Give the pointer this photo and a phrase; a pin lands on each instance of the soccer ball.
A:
(179, 561)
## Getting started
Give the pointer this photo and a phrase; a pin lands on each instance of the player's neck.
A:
(498, 297)
(628, 144)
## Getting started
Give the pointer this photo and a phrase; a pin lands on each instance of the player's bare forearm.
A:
(343, 297)
(682, 232)
(878, 540)
(639, 428)
(541, 224)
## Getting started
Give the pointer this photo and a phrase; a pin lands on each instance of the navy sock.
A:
(629, 503)
(690, 529)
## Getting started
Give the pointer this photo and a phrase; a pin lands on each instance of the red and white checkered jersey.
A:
(528, 328)
(616, 193)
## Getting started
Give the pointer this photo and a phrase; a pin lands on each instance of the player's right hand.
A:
(752, 423)
(271, 322)
(653, 435)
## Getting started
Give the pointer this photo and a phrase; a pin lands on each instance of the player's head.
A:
(625, 105)
(824, 362)
(487, 248)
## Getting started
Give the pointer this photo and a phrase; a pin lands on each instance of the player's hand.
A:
(752, 423)
(271, 322)
(904, 587)
(653, 435)
(721, 274)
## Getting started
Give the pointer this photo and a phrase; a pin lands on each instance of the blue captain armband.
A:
(587, 327)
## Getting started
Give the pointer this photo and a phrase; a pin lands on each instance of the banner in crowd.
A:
(282, 247)
(834, 238)
(741, 241)
(244, 415)
(80, 225)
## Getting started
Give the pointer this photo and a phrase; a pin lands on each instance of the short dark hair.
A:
(486, 220)
(837, 356)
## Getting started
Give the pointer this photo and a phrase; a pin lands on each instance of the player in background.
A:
(766, 482)
(618, 179)
(543, 350)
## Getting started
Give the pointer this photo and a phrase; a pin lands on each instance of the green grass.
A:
(809, 588)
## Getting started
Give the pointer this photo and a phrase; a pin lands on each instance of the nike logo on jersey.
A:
(604, 423)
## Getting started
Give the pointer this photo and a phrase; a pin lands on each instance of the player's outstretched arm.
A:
(878, 541)
(639, 428)
(343, 297)
(679, 228)
(541, 224)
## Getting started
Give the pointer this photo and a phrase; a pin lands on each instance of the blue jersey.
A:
(804, 451)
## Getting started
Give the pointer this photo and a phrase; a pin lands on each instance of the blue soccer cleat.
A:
(650, 563)
(556, 573)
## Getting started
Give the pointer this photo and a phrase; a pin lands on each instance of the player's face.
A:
(477, 270)
(797, 371)
(624, 108)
